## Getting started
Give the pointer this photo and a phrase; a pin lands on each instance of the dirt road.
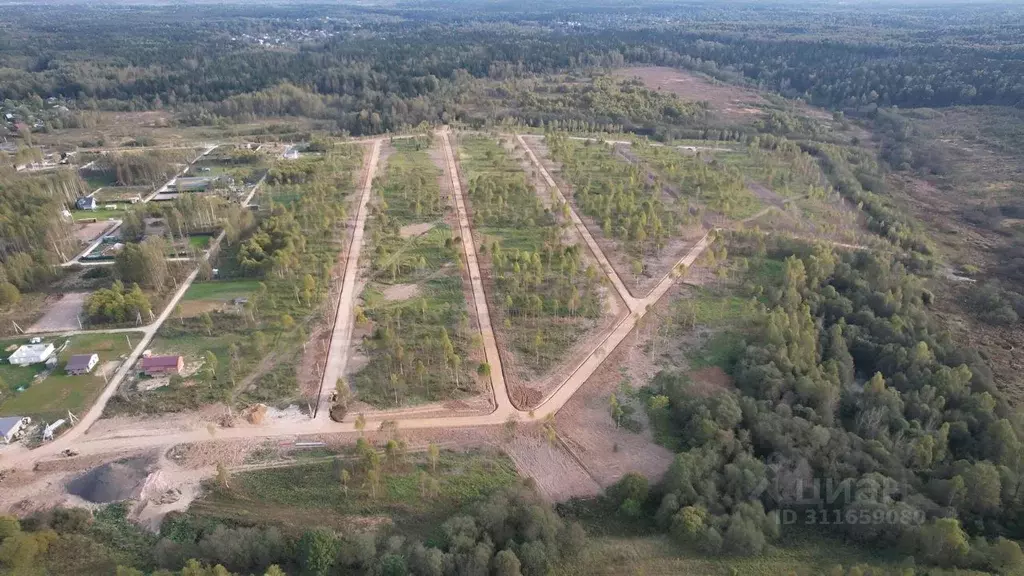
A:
(338, 348)
(609, 270)
(498, 389)
(135, 439)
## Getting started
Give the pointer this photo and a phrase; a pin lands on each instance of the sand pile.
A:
(121, 480)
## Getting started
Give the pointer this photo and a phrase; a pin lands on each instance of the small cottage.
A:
(86, 203)
(158, 365)
(81, 364)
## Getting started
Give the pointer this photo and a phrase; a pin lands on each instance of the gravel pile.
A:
(121, 480)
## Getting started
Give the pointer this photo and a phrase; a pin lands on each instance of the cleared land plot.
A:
(120, 194)
(244, 353)
(49, 395)
(557, 475)
(86, 232)
(421, 335)
(62, 315)
(216, 295)
(732, 103)
(542, 296)
(409, 491)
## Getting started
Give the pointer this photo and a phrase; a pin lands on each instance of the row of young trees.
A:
(420, 346)
(541, 282)
(848, 389)
(617, 195)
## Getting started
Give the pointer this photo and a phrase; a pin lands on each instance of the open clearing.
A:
(411, 492)
(418, 229)
(63, 314)
(733, 103)
(86, 232)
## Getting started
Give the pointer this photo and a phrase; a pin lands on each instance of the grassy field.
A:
(798, 555)
(545, 298)
(305, 495)
(221, 289)
(421, 341)
(51, 397)
(99, 214)
(201, 242)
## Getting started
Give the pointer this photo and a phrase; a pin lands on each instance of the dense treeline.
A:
(34, 233)
(512, 533)
(139, 169)
(846, 388)
(413, 70)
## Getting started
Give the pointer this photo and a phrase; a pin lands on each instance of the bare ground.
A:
(86, 232)
(585, 424)
(401, 291)
(557, 474)
(62, 314)
(730, 102)
(410, 230)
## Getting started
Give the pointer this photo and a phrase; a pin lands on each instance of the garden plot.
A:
(417, 336)
(49, 393)
(543, 295)
(642, 228)
(244, 332)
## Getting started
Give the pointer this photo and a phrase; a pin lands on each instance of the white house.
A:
(13, 427)
(31, 354)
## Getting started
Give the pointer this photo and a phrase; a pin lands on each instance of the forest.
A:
(370, 73)
(844, 376)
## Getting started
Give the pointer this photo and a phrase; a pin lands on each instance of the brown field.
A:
(731, 103)
(89, 231)
(62, 314)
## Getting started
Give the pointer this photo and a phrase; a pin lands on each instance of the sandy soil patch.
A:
(86, 232)
(401, 291)
(418, 229)
(730, 101)
(557, 475)
(193, 308)
(63, 314)
(585, 425)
